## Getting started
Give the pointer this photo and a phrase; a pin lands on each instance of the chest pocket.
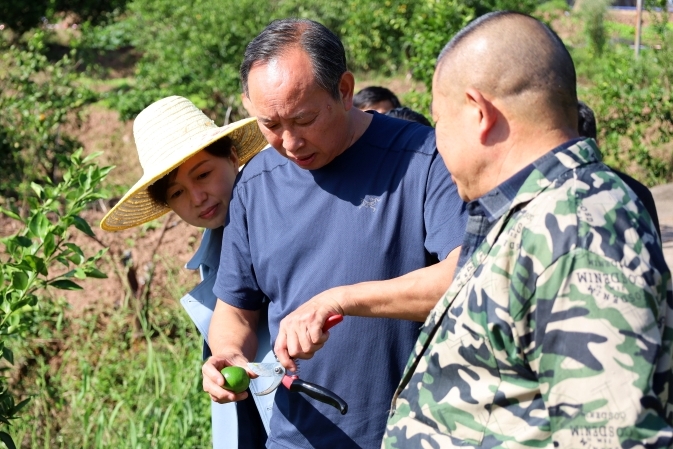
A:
(465, 378)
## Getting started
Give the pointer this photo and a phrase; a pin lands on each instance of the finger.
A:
(221, 395)
(309, 346)
(314, 331)
(292, 343)
(215, 363)
(228, 397)
(211, 371)
(282, 354)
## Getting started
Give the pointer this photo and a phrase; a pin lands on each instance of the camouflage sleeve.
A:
(597, 334)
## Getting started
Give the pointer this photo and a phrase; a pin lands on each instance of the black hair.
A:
(220, 148)
(586, 120)
(409, 114)
(322, 46)
(374, 94)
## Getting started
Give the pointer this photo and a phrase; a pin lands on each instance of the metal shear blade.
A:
(274, 370)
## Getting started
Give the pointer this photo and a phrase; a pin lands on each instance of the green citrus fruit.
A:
(236, 379)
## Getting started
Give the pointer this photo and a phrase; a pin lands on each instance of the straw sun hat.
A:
(167, 133)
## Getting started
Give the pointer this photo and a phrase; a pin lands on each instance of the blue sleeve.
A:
(444, 211)
(236, 283)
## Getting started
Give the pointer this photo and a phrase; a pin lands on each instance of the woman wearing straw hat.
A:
(189, 166)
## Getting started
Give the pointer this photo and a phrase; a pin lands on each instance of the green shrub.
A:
(104, 387)
(632, 102)
(34, 256)
(21, 16)
(38, 100)
(374, 34)
(198, 56)
(434, 23)
(593, 14)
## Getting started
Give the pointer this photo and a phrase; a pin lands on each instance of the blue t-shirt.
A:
(385, 207)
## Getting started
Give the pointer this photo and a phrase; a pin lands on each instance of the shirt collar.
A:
(484, 212)
(498, 201)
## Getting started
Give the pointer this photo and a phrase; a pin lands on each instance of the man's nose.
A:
(292, 141)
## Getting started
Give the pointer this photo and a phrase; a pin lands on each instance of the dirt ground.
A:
(102, 131)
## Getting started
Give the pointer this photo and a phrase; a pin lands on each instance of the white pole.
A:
(639, 13)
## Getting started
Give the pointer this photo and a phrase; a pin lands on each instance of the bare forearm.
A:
(409, 297)
(232, 331)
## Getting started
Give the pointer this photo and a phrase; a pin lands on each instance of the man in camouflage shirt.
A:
(557, 329)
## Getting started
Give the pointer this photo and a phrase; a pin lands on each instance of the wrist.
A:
(342, 300)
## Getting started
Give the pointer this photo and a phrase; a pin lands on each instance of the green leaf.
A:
(36, 264)
(75, 258)
(38, 225)
(74, 248)
(37, 189)
(91, 157)
(24, 241)
(100, 253)
(95, 273)
(8, 355)
(20, 405)
(65, 284)
(10, 214)
(17, 305)
(49, 245)
(7, 439)
(19, 280)
(83, 226)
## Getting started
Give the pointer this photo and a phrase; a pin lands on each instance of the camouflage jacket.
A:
(557, 330)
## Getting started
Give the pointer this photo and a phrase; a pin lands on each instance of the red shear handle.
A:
(332, 321)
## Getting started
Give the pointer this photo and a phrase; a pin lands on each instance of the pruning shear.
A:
(294, 383)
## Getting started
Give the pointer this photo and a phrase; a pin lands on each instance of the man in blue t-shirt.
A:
(354, 213)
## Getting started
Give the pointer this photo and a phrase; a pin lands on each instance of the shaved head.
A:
(516, 59)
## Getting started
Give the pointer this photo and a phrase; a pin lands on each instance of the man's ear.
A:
(484, 112)
(247, 105)
(346, 89)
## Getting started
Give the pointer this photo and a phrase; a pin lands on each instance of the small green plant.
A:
(38, 100)
(431, 28)
(104, 385)
(41, 256)
(373, 34)
(593, 14)
(633, 106)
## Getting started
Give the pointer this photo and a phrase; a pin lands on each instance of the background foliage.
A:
(31, 257)
(37, 99)
(198, 56)
(138, 385)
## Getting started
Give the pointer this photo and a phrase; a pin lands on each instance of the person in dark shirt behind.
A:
(587, 128)
(409, 114)
(377, 98)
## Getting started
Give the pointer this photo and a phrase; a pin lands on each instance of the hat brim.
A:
(137, 207)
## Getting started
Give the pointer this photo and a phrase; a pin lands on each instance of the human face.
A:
(455, 137)
(298, 118)
(380, 107)
(200, 190)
